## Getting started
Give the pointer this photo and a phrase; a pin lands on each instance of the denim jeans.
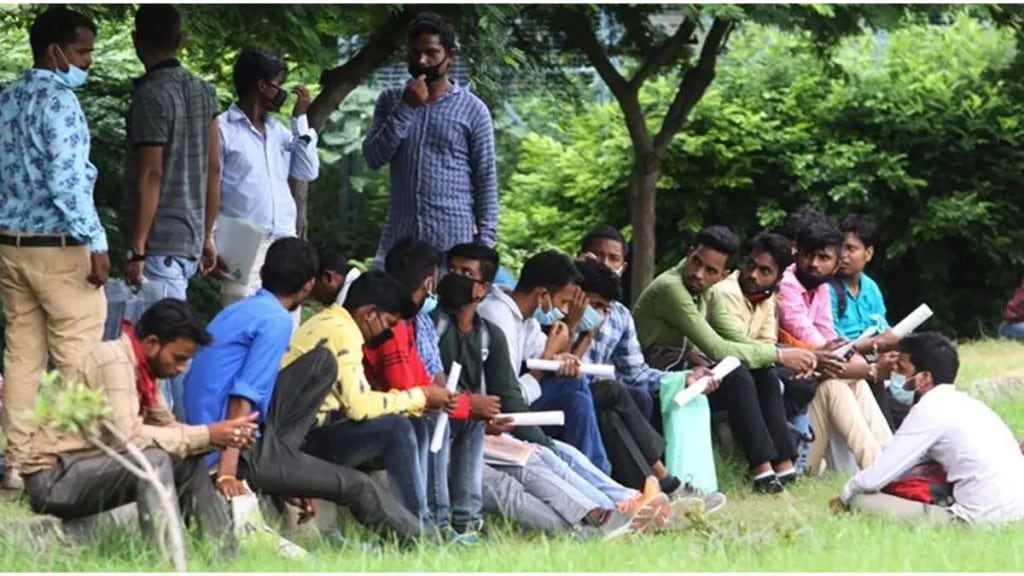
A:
(387, 442)
(573, 397)
(592, 474)
(564, 470)
(461, 460)
(173, 272)
(1012, 331)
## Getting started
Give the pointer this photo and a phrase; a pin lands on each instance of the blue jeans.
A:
(573, 397)
(563, 470)
(173, 272)
(1012, 331)
(597, 478)
(461, 461)
(387, 442)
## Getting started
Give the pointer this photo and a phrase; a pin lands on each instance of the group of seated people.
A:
(299, 414)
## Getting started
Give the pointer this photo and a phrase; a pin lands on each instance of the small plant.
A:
(75, 408)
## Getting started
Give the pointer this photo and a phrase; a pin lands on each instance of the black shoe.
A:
(787, 479)
(768, 485)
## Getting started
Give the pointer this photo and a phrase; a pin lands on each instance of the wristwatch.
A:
(133, 257)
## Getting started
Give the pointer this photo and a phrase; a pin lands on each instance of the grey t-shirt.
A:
(173, 109)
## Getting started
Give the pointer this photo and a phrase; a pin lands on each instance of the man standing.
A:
(259, 154)
(53, 249)
(439, 140)
(172, 174)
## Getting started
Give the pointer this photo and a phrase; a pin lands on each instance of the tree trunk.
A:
(643, 179)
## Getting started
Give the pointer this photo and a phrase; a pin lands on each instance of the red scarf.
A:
(759, 297)
(145, 381)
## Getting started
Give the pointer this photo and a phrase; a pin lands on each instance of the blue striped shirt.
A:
(46, 179)
(444, 186)
(426, 344)
(616, 343)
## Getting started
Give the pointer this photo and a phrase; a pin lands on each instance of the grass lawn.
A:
(754, 533)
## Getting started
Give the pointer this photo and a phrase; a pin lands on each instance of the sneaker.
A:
(616, 523)
(712, 502)
(769, 485)
(468, 538)
(788, 479)
(649, 509)
(12, 479)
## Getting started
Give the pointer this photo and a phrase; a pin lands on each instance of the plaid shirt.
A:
(616, 344)
(426, 344)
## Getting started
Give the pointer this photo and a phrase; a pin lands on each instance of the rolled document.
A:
(845, 349)
(442, 418)
(602, 370)
(548, 418)
(721, 370)
(912, 321)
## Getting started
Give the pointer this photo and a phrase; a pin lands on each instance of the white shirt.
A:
(255, 169)
(982, 459)
(525, 338)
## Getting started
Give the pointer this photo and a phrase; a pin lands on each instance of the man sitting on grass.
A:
(978, 451)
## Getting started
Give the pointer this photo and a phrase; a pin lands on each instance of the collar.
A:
(43, 74)
(162, 65)
(504, 295)
(235, 114)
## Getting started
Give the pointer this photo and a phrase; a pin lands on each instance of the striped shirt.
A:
(444, 187)
(616, 344)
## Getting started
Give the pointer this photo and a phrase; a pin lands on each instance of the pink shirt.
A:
(805, 315)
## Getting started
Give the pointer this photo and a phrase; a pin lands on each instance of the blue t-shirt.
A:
(862, 311)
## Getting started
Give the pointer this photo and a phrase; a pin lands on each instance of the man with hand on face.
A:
(69, 478)
(978, 452)
(258, 155)
(53, 248)
(439, 140)
(678, 322)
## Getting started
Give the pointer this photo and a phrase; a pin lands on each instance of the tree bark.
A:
(643, 179)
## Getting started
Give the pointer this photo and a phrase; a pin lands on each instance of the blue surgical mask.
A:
(74, 77)
(591, 320)
(429, 304)
(549, 317)
(899, 393)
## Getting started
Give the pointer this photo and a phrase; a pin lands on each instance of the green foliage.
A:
(70, 406)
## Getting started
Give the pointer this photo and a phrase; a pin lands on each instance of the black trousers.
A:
(630, 440)
(277, 466)
(757, 415)
(82, 486)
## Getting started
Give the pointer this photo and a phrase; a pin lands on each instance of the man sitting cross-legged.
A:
(69, 478)
(678, 324)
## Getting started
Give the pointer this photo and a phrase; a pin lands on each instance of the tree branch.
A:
(693, 84)
(668, 51)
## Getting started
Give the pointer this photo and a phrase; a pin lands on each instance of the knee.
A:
(401, 431)
(161, 462)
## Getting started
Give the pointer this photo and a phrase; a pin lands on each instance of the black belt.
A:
(21, 241)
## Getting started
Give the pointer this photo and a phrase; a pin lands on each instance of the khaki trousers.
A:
(847, 408)
(51, 310)
(232, 292)
(900, 508)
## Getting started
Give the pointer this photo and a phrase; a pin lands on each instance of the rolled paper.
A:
(601, 370)
(442, 418)
(845, 349)
(547, 418)
(721, 370)
(912, 321)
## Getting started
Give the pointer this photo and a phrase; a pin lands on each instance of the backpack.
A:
(444, 322)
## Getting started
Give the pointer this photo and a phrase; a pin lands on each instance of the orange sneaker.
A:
(649, 509)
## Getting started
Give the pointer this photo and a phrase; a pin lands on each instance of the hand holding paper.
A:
(600, 370)
(442, 418)
(721, 370)
(912, 321)
(845, 349)
(548, 418)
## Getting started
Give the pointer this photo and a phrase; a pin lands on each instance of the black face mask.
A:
(455, 291)
(810, 282)
(431, 73)
(278, 100)
(379, 339)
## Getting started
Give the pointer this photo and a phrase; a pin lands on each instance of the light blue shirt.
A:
(46, 179)
(250, 338)
(255, 169)
(862, 311)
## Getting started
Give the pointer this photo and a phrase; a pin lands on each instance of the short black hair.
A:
(434, 24)
(719, 239)
(603, 232)
(411, 262)
(57, 25)
(378, 288)
(254, 65)
(171, 319)
(487, 256)
(549, 269)
(290, 263)
(158, 27)
(599, 279)
(797, 220)
(819, 235)
(932, 352)
(861, 225)
(776, 245)
(331, 258)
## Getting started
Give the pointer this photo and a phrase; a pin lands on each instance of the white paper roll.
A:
(601, 370)
(442, 418)
(548, 418)
(721, 370)
(912, 321)
(845, 349)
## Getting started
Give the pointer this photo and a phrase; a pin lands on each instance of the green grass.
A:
(754, 533)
